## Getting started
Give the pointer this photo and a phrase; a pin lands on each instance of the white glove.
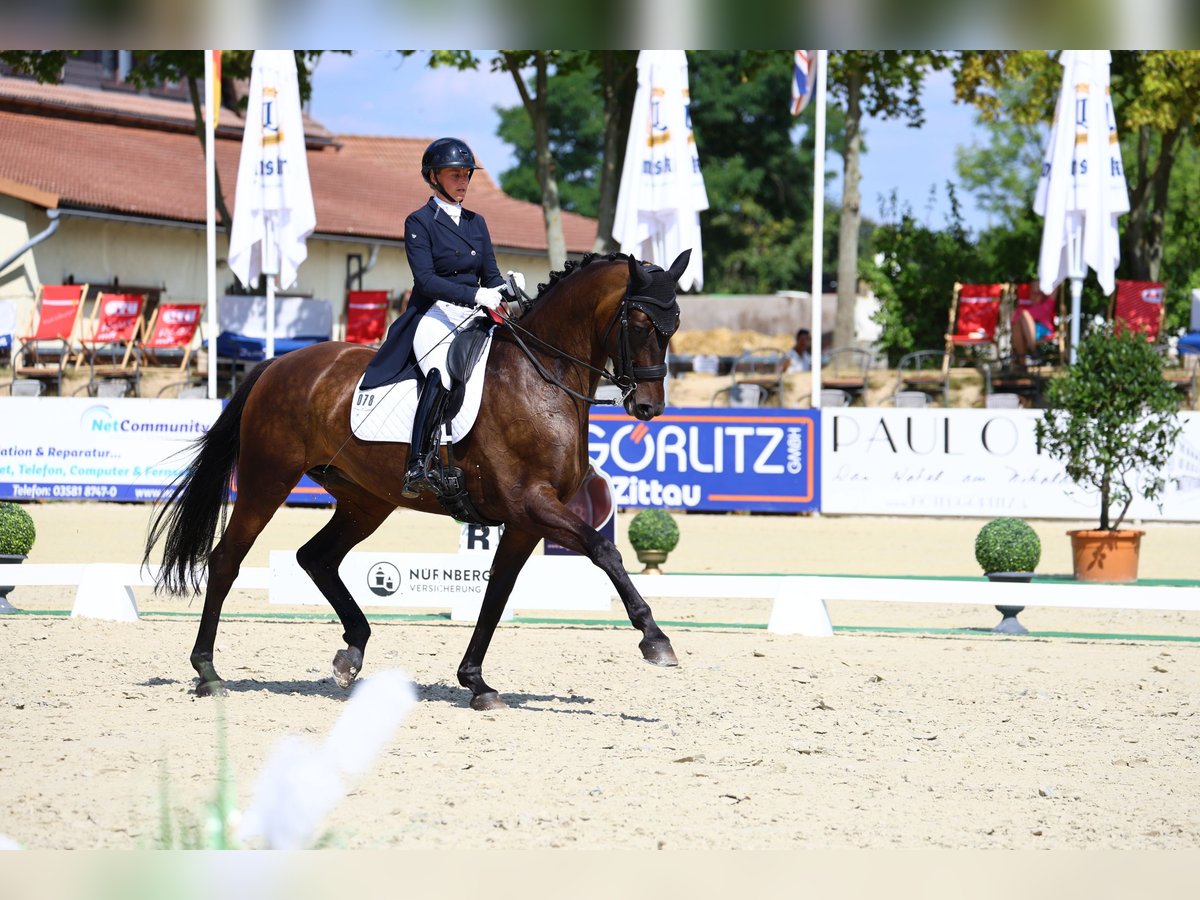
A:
(517, 279)
(488, 298)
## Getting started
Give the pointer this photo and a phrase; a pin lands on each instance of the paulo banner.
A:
(761, 460)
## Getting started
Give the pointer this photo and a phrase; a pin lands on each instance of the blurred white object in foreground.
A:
(302, 782)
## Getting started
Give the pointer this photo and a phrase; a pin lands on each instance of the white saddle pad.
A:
(386, 413)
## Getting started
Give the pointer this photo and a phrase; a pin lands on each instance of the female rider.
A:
(454, 275)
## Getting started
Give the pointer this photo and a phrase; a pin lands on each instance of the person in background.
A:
(799, 358)
(455, 277)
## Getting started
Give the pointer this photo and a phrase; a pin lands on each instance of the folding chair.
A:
(53, 329)
(911, 400)
(924, 370)
(1138, 305)
(762, 368)
(847, 369)
(110, 341)
(170, 335)
(974, 314)
(366, 317)
(1141, 307)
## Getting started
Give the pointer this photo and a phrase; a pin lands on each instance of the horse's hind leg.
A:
(511, 554)
(357, 515)
(249, 517)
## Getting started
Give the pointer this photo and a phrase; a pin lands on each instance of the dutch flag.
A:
(802, 79)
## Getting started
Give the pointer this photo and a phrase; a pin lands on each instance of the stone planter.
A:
(11, 559)
(652, 559)
(1009, 624)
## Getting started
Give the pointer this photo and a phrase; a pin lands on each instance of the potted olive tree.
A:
(1008, 549)
(17, 535)
(1112, 420)
(653, 534)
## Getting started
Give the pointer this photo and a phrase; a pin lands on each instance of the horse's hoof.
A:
(490, 700)
(659, 653)
(346, 666)
(210, 689)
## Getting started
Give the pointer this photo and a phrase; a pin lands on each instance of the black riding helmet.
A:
(446, 153)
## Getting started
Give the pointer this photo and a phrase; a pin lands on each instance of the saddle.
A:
(448, 481)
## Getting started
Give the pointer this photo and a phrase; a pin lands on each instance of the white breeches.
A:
(434, 333)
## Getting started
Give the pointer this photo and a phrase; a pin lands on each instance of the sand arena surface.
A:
(868, 739)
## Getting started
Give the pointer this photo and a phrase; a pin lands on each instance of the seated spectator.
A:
(799, 358)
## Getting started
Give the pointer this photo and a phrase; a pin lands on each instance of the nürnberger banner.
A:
(973, 462)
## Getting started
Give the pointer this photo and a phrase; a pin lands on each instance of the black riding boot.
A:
(427, 423)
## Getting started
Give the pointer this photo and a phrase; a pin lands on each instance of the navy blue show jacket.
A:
(449, 262)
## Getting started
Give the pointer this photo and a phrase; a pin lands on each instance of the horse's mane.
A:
(573, 266)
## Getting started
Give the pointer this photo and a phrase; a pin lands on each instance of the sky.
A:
(376, 92)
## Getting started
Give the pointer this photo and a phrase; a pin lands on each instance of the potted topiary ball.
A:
(17, 535)
(653, 534)
(1008, 549)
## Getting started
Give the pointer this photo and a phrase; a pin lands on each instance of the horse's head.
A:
(647, 317)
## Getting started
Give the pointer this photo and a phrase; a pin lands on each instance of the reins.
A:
(629, 375)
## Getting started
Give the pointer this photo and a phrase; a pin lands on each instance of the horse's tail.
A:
(189, 516)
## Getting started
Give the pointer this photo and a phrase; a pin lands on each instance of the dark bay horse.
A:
(525, 457)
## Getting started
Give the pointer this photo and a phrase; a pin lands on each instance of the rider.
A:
(454, 275)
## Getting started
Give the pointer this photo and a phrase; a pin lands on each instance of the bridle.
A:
(663, 312)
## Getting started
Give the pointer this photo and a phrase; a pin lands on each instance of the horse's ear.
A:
(680, 264)
(639, 278)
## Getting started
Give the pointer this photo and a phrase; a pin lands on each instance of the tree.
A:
(1156, 99)
(882, 83)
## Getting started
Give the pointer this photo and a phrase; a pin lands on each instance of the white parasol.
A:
(1082, 191)
(662, 191)
(273, 215)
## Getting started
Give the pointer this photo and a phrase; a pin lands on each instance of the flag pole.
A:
(270, 255)
(210, 187)
(817, 305)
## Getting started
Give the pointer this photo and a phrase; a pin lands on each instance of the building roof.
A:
(132, 154)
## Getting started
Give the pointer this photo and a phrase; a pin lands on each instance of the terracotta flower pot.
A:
(1106, 555)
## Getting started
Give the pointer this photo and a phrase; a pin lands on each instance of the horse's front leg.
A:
(565, 527)
(511, 554)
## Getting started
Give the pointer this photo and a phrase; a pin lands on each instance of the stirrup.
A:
(416, 479)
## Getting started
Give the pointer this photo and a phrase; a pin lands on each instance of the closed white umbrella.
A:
(662, 190)
(1082, 191)
(274, 214)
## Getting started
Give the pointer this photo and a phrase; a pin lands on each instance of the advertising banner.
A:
(973, 462)
(761, 459)
(70, 448)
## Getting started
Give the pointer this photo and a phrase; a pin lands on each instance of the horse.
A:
(523, 459)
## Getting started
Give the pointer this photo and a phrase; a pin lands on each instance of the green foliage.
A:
(17, 532)
(1007, 544)
(576, 132)
(915, 274)
(653, 529)
(1112, 416)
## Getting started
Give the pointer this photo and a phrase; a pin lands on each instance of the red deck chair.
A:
(53, 329)
(170, 335)
(974, 314)
(1138, 305)
(366, 316)
(110, 338)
